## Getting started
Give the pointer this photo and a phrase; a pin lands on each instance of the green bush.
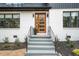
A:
(76, 52)
(6, 46)
(69, 42)
(6, 40)
(17, 42)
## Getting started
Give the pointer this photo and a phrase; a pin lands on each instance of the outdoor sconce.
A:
(15, 36)
(33, 15)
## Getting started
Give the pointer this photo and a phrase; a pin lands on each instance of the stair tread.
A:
(41, 51)
(34, 36)
(40, 39)
(41, 54)
(40, 46)
(40, 42)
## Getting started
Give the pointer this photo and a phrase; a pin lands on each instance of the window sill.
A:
(9, 28)
(71, 28)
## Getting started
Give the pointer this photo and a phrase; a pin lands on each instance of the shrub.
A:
(17, 42)
(6, 46)
(75, 52)
(6, 40)
(69, 42)
(67, 39)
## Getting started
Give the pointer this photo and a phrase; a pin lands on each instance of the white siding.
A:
(26, 20)
(56, 22)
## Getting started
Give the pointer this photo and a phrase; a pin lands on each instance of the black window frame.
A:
(12, 23)
(70, 18)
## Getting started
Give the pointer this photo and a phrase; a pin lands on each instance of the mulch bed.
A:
(11, 46)
(62, 48)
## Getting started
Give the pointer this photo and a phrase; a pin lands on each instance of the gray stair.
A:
(41, 46)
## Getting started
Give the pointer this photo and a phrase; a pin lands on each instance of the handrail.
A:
(54, 38)
(30, 32)
(51, 33)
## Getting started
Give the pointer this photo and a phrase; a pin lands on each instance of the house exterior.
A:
(16, 20)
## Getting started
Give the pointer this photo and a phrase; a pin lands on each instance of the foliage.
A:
(6, 46)
(76, 52)
(69, 42)
(6, 40)
(17, 42)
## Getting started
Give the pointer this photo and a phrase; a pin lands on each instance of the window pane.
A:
(41, 29)
(1, 15)
(16, 16)
(66, 14)
(41, 17)
(8, 16)
(74, 16)
(66, 19)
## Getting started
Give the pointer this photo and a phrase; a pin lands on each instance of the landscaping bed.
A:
(11, 46)
(7, 45)
(61, 47)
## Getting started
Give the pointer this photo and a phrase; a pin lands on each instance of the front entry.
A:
(40, 22)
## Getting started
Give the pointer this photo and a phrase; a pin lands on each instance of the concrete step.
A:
(40, 38)
(41, 46)
(41, 51)
(35, 36)
(40, 42)
(41, 54)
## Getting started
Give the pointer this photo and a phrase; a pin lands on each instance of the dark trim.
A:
(23, 9)
(70, 18)
(36, 6)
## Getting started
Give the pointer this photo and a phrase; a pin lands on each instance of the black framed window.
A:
(9, 20)
(71, 19)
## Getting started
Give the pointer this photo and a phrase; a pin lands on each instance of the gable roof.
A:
(24, 6)
(37, 6)
(64, 5)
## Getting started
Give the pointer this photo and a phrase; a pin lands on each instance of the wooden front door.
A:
(40, 22)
